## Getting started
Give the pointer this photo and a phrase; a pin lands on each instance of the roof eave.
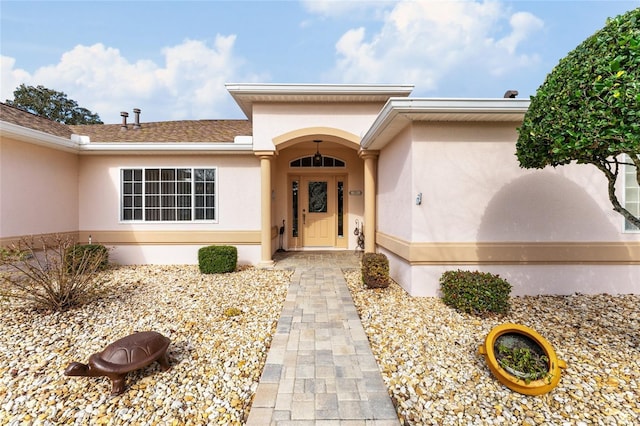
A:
(399, 112)
(165, 148)
(245, 94)
(37, 137)
(84, 147)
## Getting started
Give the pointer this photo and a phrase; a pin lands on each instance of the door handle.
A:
(304, 217)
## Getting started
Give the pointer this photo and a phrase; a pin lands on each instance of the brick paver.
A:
(320, 369)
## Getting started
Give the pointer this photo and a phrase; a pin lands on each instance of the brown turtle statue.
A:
(122, 356)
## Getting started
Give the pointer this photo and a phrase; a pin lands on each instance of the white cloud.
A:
(421, 42)
(337, 8)
(522, 25)
(189, 84)
(10, 78)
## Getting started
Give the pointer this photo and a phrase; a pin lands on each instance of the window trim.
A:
(626, 186)
(216, 193)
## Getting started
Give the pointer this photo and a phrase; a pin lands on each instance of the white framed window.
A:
(164, 194)
(631, 196)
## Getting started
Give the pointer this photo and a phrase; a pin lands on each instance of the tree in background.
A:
(52, 105)
(588, 108)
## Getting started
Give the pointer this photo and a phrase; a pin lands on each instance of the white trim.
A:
(399, 112)
(80, 144)
(243, 140)
(625, 186)
(37, 137)
(246, 94)
(318, 89)
(164, 148)
(216, 194)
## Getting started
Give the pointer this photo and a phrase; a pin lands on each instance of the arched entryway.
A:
(318, 182)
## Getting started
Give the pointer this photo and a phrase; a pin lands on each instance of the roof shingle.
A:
(31, 121)
(163, 131)
(167, 131)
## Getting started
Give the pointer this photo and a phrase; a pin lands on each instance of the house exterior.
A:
(433, 183)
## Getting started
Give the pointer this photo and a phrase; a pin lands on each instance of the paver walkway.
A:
(320, 369)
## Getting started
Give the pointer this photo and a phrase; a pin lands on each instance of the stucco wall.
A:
(238, 215)
(39, 189)
(173, 254)
(238, 189)
(474, 190)
(272, 120)
(481, 211)
(423, 280)
(396, 190)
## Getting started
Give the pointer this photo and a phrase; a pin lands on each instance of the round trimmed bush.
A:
(217, 259)
(475, 292)
(375, 270)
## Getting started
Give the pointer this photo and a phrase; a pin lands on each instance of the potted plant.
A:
(522, 359)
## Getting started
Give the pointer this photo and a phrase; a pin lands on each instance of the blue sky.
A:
(172, 59)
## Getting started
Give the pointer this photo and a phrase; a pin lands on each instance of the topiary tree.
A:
(588, 108)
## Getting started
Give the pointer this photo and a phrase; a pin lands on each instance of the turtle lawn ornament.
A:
(122, 356)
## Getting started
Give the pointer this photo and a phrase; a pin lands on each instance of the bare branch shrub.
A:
(54, 274)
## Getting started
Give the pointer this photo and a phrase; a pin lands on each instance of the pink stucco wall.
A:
(397, 189)
(423, 280)
(39, 189)
(272, 120)
(473, 190)
(238, 191)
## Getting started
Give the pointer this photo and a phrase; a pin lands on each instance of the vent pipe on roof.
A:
(124, 116)
(511, 94)
(136, 124)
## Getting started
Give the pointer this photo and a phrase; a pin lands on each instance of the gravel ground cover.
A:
(428, 355)
(216, 361)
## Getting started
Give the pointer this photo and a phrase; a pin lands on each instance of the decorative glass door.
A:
(317, 209)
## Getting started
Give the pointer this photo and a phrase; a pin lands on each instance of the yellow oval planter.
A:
(534, 387)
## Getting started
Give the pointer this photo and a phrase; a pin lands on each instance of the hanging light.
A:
(317, 157)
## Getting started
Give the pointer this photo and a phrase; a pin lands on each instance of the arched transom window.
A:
(326, 161)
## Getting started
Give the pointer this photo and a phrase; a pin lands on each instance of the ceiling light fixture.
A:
(317, 157)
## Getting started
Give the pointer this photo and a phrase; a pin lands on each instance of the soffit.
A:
(398, 113)
(248, 94)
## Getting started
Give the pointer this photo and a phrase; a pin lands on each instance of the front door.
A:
(318, 209)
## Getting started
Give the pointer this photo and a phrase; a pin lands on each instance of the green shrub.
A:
(217, 259)
(80, 257)
(475, 292)
(8, 253)
(375, 270)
